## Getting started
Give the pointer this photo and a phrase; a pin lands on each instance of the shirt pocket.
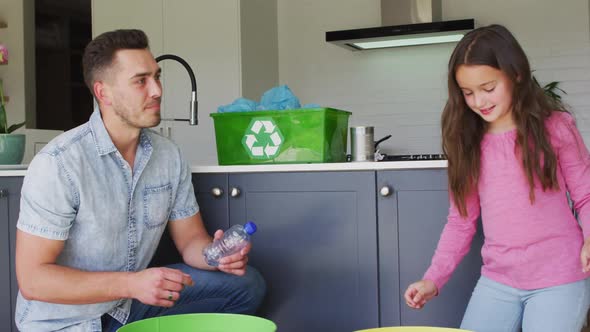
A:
(157, 202)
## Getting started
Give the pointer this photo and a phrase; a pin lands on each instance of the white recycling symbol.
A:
(262, 139)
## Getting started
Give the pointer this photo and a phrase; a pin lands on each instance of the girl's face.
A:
(488, 92)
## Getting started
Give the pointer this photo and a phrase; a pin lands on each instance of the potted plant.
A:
(551, 90)
(12, 146)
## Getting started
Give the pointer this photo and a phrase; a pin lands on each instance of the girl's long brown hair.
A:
(463, 129)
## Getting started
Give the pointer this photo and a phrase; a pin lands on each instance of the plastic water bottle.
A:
(233, 240)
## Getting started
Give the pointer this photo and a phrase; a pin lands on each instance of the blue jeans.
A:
(496, 307)
(213, 292)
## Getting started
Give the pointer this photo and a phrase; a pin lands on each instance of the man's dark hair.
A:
(100, 52)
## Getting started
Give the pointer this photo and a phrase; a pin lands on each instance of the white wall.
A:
(204, 33)
(259, 47)
(401, 91)
(231, 45)
(554, 34)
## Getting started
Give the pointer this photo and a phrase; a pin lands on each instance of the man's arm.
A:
(41, 279)
(190, 237)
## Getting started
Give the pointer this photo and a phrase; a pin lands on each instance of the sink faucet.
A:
(194, 104)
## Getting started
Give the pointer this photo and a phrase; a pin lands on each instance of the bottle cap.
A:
(250, 227)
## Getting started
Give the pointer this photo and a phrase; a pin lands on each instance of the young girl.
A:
(512, 155)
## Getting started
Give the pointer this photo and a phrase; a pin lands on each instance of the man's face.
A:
(135, 88)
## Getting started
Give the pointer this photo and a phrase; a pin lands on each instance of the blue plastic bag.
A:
(310, 106)
(239, 105)
(279, 98)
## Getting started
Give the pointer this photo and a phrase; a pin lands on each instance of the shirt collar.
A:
(102, 140)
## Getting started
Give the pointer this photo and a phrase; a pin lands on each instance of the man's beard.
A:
(125, 115)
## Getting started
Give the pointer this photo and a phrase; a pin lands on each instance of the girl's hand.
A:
(585, 256)
(421, 292)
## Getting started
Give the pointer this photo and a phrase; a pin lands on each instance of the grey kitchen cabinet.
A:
(413, 205)
(6, 308)
(337, 249)
(9, 208)
(316, 246)
(211, 194)
(316, 243)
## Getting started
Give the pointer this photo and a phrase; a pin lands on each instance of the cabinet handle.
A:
(385, 191)
(235, 192)
(216, 192)
(3, 193)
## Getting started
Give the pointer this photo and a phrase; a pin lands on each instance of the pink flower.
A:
(3, 54)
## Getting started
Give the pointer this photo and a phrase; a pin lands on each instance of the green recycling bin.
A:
(201, 323)
(314, 135)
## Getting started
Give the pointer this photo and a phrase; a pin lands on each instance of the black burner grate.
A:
(410, 157)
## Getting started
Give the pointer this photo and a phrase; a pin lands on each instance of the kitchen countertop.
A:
(326, 167)
(20, 170)
(13, 170)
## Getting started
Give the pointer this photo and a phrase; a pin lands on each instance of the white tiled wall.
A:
(402, 91)
(571, 66)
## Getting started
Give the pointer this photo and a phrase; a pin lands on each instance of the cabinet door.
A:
(5, 307)
(211, 194)
(415, 212)
(14, 187)
(9, 208)
(315, 246)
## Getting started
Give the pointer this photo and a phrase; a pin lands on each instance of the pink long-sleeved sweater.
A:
(527, 246)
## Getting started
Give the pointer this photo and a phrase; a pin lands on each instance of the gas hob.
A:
(412, 157)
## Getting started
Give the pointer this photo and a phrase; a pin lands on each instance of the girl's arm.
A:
(455, 240)
(574, 162)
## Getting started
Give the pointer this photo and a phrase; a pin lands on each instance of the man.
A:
(95, 202)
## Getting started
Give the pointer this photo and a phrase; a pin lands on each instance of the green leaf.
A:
(551, 86)
(4, 129)
(15, 127)
(3, 124)
(551, 89)
(560, 89)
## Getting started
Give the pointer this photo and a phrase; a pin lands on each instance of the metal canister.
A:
(362, 143)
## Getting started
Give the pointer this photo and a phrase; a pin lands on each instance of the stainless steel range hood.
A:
(404, 23)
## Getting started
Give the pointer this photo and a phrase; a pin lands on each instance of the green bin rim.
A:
(277, 112)
(133, 325)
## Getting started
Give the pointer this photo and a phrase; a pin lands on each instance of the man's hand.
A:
(585, 256)
(236, 263)
(419, 293)
(158, 286)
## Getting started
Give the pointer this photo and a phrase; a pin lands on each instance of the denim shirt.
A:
(80, 190)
